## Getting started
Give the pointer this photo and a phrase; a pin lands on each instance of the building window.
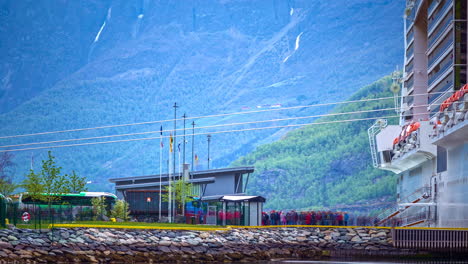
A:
(441, 159)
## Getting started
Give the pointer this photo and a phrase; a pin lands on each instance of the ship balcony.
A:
(440, 53)
(415, 8)
(410, 37)
(450, 123)
(432, 7)
(413, 148)
(439, 33)
(437, 15)
(409, 149)
(409, 54)
(409, 83)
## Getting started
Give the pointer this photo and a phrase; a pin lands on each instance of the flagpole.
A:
(180, 173)
(160, 174)
(170, 184)
(193, 143)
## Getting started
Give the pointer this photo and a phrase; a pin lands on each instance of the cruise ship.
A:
(428, 150)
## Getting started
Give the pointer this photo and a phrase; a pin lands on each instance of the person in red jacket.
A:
(308, 219)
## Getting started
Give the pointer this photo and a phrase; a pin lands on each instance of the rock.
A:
(5, 245)
(301, 239)
(12, 238)
(164, 249)
(204, 235)
(356, 239)
(165, 243)
(193, 242)
(372, 248)
(380, 234)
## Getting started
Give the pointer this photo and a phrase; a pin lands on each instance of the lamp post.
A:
(209, 140)
(183, 153)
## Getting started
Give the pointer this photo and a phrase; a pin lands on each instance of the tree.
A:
(7, 171)
(33, 185)
(75, 183)
(182, 193)
(99, 208)
(48, 182)
(121, 210)
(54, 183)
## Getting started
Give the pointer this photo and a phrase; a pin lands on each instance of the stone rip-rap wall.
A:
(118, 245)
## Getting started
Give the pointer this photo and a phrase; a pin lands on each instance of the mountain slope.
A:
(129, 61)
(325, 165)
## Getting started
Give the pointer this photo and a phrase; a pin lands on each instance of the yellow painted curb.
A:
(252, 227)
(369, 227)
(138, 227)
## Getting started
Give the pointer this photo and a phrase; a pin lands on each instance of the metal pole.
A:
(193, 142)
(209, 140)
(184, 116)
(175, 135)
(160, 176)
(169, 209)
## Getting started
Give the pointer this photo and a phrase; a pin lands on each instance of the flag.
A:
(171, 142)
(196, 159)
(178, 147)
(162, 144)
(161, 130)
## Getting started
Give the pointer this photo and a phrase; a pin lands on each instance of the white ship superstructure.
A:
(429, 148)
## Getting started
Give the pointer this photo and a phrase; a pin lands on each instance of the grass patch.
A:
(138, 225)
(142, 224)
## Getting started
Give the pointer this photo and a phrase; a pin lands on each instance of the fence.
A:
(433, 239)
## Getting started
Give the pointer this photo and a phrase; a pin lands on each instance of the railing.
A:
(439, 15)
(410, 37)
(413, 10)
(442, 70)
(433, 5)
(442, 50)
(410, 52)
(410, 100)
(439, 93)
(409, 84)
(409, 68)
(433, 39)
(444, 240)
(395, 209)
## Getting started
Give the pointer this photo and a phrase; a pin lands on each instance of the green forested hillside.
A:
(325, 165)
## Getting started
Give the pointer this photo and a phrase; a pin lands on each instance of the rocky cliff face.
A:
(89, 63)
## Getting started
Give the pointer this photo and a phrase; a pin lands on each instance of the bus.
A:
(70, 206)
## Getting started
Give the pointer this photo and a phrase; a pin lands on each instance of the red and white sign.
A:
(26, 217)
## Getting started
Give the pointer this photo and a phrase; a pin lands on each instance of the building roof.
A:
(234, 198)
(163, 183)
(213, 172)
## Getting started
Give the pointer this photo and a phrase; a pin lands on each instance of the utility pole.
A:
(183, 153)
(175, 135)
(209, 140)
(193, 142)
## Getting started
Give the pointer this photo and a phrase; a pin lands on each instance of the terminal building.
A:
(429, 148)
(219, 194)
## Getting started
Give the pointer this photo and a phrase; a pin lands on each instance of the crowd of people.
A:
(316, 218)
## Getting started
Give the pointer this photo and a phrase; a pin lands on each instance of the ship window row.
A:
(441, 49)
(438, 14)
(441, 68)
(440, 30)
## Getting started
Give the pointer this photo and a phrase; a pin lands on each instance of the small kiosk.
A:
(239, 210)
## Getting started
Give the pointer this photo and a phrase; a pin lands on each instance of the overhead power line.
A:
(206, 133)
(207, 116)
(202, 127)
